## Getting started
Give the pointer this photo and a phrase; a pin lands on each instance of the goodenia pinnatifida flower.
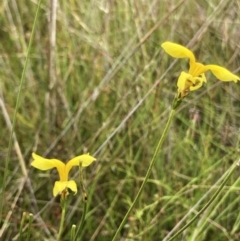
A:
(63, 170)
(195, 77)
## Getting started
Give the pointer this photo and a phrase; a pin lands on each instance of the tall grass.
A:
(110, 93)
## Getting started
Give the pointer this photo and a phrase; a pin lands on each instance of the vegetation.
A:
(106, 87)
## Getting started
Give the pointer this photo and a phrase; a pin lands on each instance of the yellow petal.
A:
(178, 51)
(203, 78)
(86, 160)
(222, 74)
(187, 83)
(183, 82)
(197, 69)
(198, 82)
(73, 186)
(59, 187)
(46, 164)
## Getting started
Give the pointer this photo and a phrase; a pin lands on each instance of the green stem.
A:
(82, 220)
(154, 158)
(208, 203)
(83, 189)
(63, 204)
(21, 225)
(73, 232)
(16, 110)
(84, 195)
(30, 216)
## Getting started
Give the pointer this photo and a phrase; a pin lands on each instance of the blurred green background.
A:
(105, 87)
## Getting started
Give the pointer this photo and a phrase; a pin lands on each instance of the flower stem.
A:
(63, 204)
(154, 158)
(82, 220)
(84, 195)
(24, 216)
(30, 216)
(73, 232)
(208, 203)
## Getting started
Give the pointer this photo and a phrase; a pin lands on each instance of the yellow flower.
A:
(195, 77)
(63, 170)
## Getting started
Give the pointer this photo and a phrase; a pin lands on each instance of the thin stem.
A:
(154, 158)
(83, 189)
(208, 203)
(16, 110)
(82, 220)
(63, 204)
(84, 195)
(30, 216)
(21, 225)
(73, 232)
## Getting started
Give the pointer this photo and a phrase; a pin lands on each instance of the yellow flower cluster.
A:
(187, 81)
